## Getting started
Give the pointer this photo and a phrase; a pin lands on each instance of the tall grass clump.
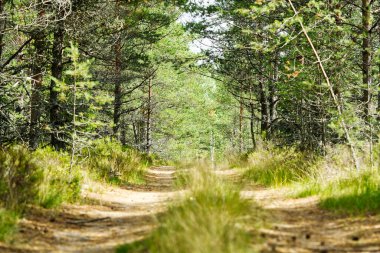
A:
(33, 178)
(341, 188)
(211, 219)
(20, 178)
(354, 193)
(357, 194)
(59, 184)
(113, 163)
(279, 167)
(8, 223)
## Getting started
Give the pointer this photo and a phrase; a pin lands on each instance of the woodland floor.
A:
(109, 217)
(298, 225)
(112, 216)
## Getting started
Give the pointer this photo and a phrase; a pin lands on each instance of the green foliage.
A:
(213, 218)
(355, 193)
(59, 185)
(41, 177)
(8, 223)
(20, 177)
(111, 162)
(75, 91)
(279, 167)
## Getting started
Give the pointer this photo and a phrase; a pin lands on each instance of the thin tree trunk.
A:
(123, 133)
(2, 27)
(56, 70)
(264, 109)
(36, 103)
(118, 89)
(74, 133)
(366, 55)
(149, 117)
(241, 121)
(331, 90)
(252, 125)
(135, 134)
(252, 117)
(273, 99)
(378, 88)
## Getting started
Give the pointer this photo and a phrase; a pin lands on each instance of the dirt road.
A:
(110, 216)
(300, 226)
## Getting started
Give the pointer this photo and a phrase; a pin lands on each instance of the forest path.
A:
(299, 226)
(111, 216)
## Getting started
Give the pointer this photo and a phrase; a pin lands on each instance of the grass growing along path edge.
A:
(211, 218)
(346, 192)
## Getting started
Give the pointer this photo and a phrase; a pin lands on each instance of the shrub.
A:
(20, 177)
(112, 163)
(278, 167)
(59, 184)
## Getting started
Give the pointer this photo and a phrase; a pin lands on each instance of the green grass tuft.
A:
(354, 193)
(212, 219)
(112, 163)
(8, 224)
(59, 185)
(357, 194)
(279, 167)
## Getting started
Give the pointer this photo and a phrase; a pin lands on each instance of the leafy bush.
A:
(20, 177)
(213, 218)
(113, 163)
(59, 184)
(8, 223)
(278, 167)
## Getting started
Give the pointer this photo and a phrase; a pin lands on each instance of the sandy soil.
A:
(110, 217)
(299, 226)
(113, 216)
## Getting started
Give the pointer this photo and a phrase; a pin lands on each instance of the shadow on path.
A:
(113, 216)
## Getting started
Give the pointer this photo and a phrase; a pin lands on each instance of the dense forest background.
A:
(208, 99)
(256, 78)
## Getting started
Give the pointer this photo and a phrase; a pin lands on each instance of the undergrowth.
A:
(58, 185)
(33, 178)
(112, 163)
(355, 193)
(278, 167)
(331, 178)
(211, 219)
(8, 223)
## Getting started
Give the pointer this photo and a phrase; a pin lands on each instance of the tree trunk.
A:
(56, 120)
(123, 133)
(252, 117)
(135, 133)
(331, 90)
(252, 125)
(2, 28)
(273, 99)
(366, 57)
(36, 100)
(378, 90)
(149, 117)
(241, 124)
(264, 109)
(118, 89)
